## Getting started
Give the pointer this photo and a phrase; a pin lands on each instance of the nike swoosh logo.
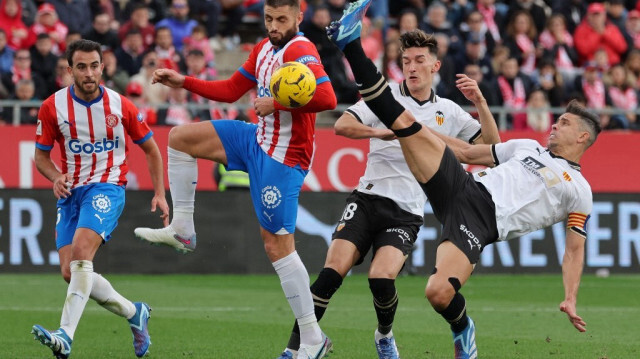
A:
(182, 240)
(349, 31)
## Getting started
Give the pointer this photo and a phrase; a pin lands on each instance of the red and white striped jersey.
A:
(285, 136)
(91, 135)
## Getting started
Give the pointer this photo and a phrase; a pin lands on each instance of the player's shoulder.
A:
(526, 143)
(300, 46)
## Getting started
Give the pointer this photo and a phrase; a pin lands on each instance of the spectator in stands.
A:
(494, 19)
(200, 41)
(74, 13)
(558, 47)
(197, 67)
(178, 22)
(601, 59)
(129, 55)
(6, 54)
(336, 7)
(177, 113)
(234, 11)
(408, 21)
(552, 83)
(590, 84)
(154, 95)
(134, 93)
(537, 9)
(474, 27)
(47, 22)
(43, 62)
(25, 91)
(208, 13)
(392, 63)
(444, 80)
(596, 32)
(109, 7)
(617, 14)
(139, 20)
(514, 89)
(475, 53)
(157, 9)
(632, 29)
(457, 11)
(539, 117)
(370, 40)
(623, 96)
(21, 70)
(437, 23)
(29, 10)
(522, 40)
(113, 76)
(11, 22)
(632, 64)
(72, 36)
(63, 78)
(169, 56)
(486, 87)
(500, 55)
(572, 10)
(102, 33)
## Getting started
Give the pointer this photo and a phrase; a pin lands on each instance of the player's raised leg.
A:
(422, 149)
(186, 144)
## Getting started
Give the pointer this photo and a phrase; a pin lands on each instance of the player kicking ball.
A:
(526, 188)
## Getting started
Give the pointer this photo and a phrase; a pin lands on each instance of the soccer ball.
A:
(293, 84)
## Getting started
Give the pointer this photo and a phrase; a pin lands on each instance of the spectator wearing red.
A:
(153, 94)
(21, 70)
(623, 96)
(139, 20)
(200, 41)
(595, 32)
(134, 93)
(522, 41)
(558, 46)
(168, 54)
(12, 24)
(47, 21)
(515, 88)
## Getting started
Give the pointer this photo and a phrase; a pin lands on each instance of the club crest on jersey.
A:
(101, 203)
(111, 120)
(271, 197)
(566, 176)
(439, 118)
(140, 117)
(39, 128)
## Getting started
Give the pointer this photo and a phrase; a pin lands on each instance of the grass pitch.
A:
(216, 316)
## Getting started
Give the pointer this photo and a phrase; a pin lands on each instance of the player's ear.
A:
(300, 17)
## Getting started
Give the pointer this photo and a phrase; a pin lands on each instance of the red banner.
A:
(610, 165)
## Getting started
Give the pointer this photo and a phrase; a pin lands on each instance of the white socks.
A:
(295, 284)
(183, 177)
(104, 294)
(77, 295)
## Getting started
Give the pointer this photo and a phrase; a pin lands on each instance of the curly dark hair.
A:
(419, 38)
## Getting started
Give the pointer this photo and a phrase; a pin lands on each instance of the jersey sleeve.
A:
(133, 122)
(46, 130)
(362, 113)
(306, 53)
(248, 69)
(502, 152)
(468, 127)
(579, 214)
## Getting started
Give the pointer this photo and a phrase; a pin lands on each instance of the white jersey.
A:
(387, 173)
(532, 189)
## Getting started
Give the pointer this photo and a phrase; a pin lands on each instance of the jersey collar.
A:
(575, 166)
(404, 91)
(83, 102)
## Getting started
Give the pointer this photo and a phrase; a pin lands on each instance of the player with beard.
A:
(276, 153)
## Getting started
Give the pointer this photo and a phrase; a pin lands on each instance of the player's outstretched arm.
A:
(572, 264)
(154, 163)
(479, 154)
(470, 90)
(45, 165)
(168, 78)
(348, 126)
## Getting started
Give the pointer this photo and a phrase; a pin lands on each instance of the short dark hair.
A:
(84, 46)
(418, 38)
(590, 121)
(278, 3)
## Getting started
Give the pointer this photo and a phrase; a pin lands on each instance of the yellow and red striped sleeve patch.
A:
(577, 223)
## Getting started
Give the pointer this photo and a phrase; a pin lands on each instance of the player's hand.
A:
(264, 106)
(159, 201)
(569, 307)
(168, 77)
(61, 186)
(386, 135)
(469, 88)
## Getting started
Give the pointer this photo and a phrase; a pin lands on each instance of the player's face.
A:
(418, 67)
(86, 72)
(282, 23)
(565, 132)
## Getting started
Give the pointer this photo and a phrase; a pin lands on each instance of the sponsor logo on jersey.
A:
(111, 120)
(271, 197)
(439, 118)
(482, 173)
(101, 203)
(39, 128)
(264, 92)
(76, 146)
(541, 171)
(307, 59)
(402, 234)
(473, 240)
(566, 176)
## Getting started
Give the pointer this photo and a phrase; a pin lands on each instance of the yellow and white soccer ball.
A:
(293, 84)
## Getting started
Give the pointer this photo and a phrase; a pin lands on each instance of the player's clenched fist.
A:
(168, 77)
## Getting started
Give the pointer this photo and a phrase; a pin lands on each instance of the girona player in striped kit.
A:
(276, 153)
(91, 123)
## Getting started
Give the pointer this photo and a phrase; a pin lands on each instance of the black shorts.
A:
(375, 221)
(463, 206)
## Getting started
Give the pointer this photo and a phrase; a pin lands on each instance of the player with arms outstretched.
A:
(276, 153)
(528, 187)
(91, 123)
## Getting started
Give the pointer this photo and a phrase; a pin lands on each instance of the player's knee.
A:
(386, 273)
(178, 138)
(439, 292)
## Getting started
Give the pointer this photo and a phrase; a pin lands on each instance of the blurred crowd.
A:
(526, 55)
